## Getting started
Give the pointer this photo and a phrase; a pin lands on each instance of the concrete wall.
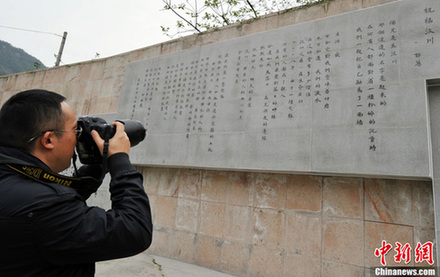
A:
(262, 224)
(249, 223)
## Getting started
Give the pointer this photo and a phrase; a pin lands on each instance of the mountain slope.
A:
(15, 60)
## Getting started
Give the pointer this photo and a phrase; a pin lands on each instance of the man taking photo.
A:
(46, 227)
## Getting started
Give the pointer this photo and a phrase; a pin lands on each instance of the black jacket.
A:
(47, 229)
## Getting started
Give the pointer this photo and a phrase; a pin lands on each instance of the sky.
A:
(106, 27)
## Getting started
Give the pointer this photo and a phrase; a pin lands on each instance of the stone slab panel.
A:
(344, 95)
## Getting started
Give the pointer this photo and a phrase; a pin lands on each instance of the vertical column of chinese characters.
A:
(211, 103)
(282, 78)
(252, 66)
(184, 84)
(286, 80)
(327, 71)
(429, 32)
(329, 55)
(306, 73)
(136, 96)
(370, 81)
(359, 77)
(296, 82)
(377, 69)
(429, 25)
(194, 74)
(273, 87)
(241, 79)
(174, 97)
(265, 66)
(151, 88)
(200, 94)
(293, 98)
(170, 83)
(303, 54)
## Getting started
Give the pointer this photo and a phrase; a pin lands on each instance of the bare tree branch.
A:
(216, 13)
(181, 17)
(252, 8)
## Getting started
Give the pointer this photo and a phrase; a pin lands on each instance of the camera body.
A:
(86, 147)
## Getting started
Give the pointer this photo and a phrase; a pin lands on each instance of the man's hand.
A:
(118, 143)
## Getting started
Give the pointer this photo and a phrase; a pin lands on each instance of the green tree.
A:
(203, 15)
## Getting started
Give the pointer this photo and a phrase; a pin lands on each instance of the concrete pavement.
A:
(146, 265)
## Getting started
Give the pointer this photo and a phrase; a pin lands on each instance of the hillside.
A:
(14, 60)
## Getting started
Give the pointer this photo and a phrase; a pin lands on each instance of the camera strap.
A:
(106, 138)
(45, 176)
(85, 185)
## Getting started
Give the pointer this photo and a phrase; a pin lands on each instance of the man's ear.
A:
(47, 140)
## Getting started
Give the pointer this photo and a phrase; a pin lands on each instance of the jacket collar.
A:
(18, 156)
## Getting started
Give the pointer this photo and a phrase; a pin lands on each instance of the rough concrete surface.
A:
(146, 265)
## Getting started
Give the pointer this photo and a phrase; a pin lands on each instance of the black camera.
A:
(86, 147)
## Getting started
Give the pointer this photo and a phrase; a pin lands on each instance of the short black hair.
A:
(28, 113)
